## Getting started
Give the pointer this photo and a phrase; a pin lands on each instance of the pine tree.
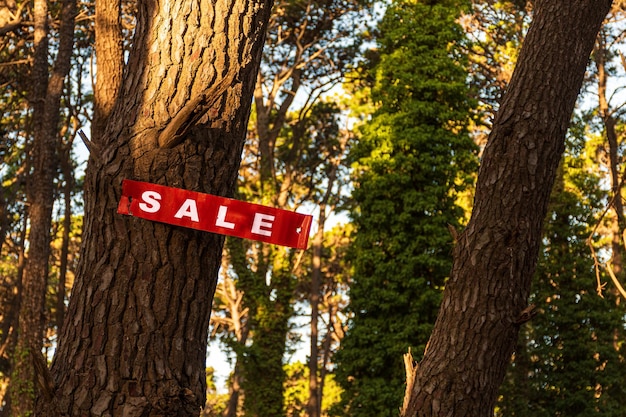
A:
(413, 158)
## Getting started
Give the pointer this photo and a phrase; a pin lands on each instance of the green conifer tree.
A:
(413, 158)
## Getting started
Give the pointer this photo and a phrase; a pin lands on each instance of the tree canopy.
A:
(412, 160)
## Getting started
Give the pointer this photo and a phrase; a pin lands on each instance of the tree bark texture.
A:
(30, 316)
(46, 89)
(110, 62)
(496, 255)
(135, 335)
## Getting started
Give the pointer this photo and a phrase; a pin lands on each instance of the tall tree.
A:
(45, 100)
(310, 43)
(609, 117)
(413, 158)
(602, 57)
(307, 152)
(485, 300)
(135, 333)
(314, 403)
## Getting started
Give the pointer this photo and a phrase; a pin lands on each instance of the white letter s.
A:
(151, 204)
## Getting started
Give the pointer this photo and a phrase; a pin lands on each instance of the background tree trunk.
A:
(496, 255)
(30, 319)
(134, 339)
(110, 62)
(67, 170)
(314, 401)
(45, 102)
(600, 56)
(316, 380)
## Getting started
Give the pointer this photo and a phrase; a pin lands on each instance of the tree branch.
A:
(174, 133)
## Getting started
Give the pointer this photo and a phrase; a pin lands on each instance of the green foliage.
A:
(270, 312)
(297, 390)
(215, 402)
(318, 39)
(304, 153)
(306, 148)
(496, 28)
(568, 361)
(413, 159)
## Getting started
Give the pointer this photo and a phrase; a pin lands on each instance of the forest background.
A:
(375, 113)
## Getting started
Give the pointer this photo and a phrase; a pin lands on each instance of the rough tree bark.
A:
(495, 257)
(135, 334)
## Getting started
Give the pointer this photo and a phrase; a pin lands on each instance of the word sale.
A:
(215, 214)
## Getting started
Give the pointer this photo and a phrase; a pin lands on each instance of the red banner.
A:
(214, 214)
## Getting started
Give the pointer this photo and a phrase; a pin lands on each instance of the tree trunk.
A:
(11, 311)
(314, 401)
(45, 102)
(495, 257)
(135, 335)
(610, 124)
(68, 187)
(110, 62)
(232, 406)
(30, 317)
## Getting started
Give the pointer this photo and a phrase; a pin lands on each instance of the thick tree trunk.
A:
(495, 257)
(135, 335)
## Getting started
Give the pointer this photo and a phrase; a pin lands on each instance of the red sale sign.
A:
(214, 214)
